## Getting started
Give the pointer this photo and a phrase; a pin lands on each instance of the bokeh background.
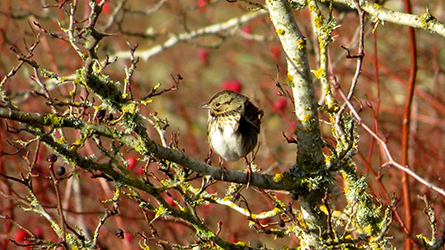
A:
(248, 59)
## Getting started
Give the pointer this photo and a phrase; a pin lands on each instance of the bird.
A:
(233, 125)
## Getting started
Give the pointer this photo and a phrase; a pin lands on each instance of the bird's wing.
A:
(253, 115)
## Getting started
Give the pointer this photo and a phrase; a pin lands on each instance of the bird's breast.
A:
(226, 142)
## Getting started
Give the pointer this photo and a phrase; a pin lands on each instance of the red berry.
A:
(265, 221)
(128, 237)
(211, 190)
(41, 156)
(293, 125)
(106, 9)
(203, 55)
(202, 5)
(52, 158)
(275, 51)
(170, 201)
(131, 161)
(247, 29)
(20, 236)
(140, 171)
(234, 238)
(38, 232)
(280, 105)
(232, 84)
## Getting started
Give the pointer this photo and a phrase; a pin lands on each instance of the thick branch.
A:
(310, 158)
(149, 147)
(425, 21)
(183, 37)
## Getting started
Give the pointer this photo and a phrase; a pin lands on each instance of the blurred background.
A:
(248, 59)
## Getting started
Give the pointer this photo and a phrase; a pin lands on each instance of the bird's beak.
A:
(205, 106)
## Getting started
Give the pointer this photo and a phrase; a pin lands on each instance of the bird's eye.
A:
(218, 104)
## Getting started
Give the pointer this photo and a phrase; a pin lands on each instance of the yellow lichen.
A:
(61, 140)
(318, 73)
(117, 194)
(368, 229)
(425, 19)
(280, 31)
(290, 80)
(306, 118)
(301, 44)
(145, 102)
(240, 243)
(130, 108)
(278, 177)
(53, 120)
(73, 149)
(323, 208)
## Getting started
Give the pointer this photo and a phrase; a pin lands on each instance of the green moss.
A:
(53, 120)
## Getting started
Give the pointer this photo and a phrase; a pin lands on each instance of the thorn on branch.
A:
(208, 159)
(283, 92)
(349, 56)
(219, 228)
(132, 48)
(13, 130)
(25, 181)
(174, 140)
(328, 213)
(290, 139)
(334, 82)
(19, 149)
(60, 5)
(40, 27)
(100, 174)
(153, 93)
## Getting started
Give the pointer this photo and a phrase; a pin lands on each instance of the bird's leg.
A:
(208, 159)
(221, 166)
(220, 163)
(248, 172)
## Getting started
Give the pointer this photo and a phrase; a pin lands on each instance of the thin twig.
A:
(391, 161)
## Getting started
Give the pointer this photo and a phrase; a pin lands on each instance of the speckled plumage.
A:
(233, 125)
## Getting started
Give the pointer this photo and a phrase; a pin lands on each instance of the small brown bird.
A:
(233, 124)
